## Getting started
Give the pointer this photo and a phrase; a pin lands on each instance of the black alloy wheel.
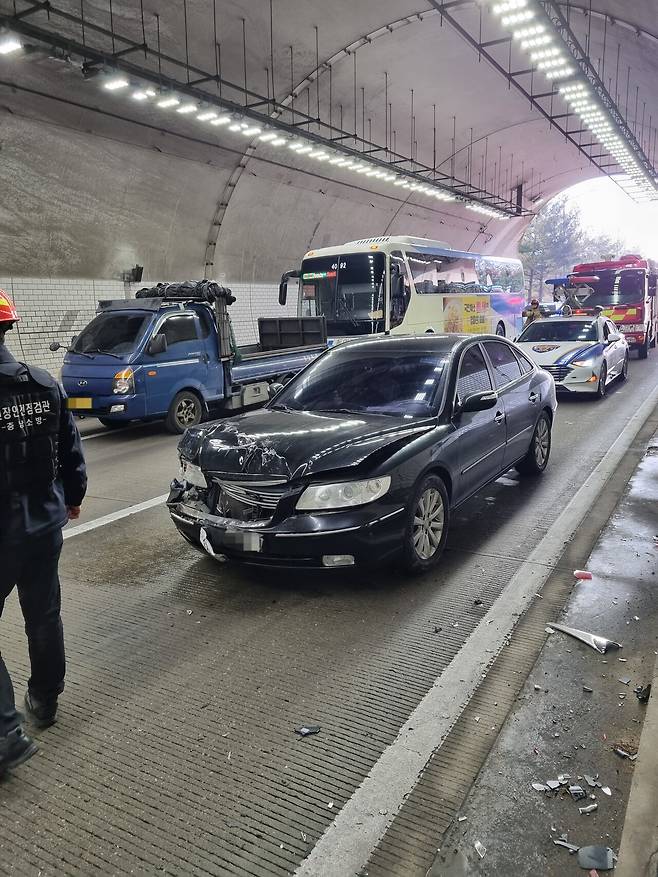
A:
(185, 411)
(603, 377)
(428, 517)
(539, 452)
(624, 369)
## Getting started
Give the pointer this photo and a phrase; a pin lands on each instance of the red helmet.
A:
(8, 313)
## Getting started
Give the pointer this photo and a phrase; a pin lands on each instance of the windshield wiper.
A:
(334, 411)
(106, 352)
(278, 406)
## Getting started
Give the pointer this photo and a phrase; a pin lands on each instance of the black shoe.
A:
(42, 712)
(15, 749)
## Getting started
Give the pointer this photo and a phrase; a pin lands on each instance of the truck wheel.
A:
(185, 411)
(643, 352)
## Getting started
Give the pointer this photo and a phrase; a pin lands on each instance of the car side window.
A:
(179, 328)
(524, 363)
(505, 365)
(205, 321)
(473, 374)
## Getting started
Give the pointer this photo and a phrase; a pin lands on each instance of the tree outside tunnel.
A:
(559, 238)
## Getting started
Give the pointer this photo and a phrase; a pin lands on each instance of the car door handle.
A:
(499, 417)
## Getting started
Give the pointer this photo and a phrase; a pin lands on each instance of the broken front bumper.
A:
(370, 534)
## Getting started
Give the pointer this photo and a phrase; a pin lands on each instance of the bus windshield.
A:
(611, 288)
(348, 290)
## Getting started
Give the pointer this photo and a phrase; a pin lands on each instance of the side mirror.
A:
(275, 389)
(480, 401)
(614, 336)
(55, 346)
(283, 291)
(157, 345)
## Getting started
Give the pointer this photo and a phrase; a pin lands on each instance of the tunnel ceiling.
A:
(423, 93)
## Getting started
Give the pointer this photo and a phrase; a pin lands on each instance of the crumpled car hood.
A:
(283, 444)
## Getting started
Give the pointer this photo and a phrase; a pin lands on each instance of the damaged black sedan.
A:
(361, 458)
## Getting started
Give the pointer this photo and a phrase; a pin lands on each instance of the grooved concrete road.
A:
(175, 751)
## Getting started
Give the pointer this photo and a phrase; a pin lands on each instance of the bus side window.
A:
(400, 290)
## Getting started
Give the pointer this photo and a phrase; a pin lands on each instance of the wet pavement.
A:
(176, 749)
(575, 708)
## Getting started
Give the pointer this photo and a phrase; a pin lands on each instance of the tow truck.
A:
(170, 353)
(625, 288)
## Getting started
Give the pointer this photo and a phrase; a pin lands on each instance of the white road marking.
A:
(347, 844)
(79, 529)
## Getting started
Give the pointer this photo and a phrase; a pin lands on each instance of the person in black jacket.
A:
(42, 484)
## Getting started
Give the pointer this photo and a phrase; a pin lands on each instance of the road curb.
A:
(638, 851)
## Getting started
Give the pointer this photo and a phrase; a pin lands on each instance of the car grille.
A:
(559, 372)
(247, 502)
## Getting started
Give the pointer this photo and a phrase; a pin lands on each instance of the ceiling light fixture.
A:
(116, 83)
(9, 44)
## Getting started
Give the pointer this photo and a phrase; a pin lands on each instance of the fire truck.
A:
(626, 290)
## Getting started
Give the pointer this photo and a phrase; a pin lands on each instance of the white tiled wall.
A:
(55, 309)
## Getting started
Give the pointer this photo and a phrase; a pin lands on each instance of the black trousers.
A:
(31, 566)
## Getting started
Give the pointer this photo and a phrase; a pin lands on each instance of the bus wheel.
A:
(500, 330)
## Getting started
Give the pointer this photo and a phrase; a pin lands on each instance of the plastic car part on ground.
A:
(599, 857)
(599, 643)
(582, 574)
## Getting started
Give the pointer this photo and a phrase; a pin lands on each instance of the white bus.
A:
(408, 285)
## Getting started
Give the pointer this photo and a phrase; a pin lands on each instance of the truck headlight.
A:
(321, 497)
(192, 474)
(124, 382)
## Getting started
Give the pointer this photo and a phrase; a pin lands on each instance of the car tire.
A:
(427, 521)
(643, 352)
(185, 411)
(603, 377)
(539, 452)
(500, 330)
(624, 370)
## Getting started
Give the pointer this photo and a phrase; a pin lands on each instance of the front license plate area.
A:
(238, 541)
(77, 403)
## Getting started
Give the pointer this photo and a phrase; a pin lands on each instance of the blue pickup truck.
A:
(170, 353)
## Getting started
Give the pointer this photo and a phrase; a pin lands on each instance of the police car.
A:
(583, 353)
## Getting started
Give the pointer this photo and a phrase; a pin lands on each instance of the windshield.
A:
(611, 288)
(355, 380)
(114, 333)
(560, 330)
(348, 290)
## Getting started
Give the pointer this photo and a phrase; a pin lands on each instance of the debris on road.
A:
(553, 784)
(606, 790)
(599, 643)
(582, 574)
(462, 818)
(577, 793)
(590, 808)
(307, 730)
(562, 842)
(588, 689)
(597, 857)
(480, 849)
(625, 680)
(624, 753)
(540, 787)
(643, 693)
(330, 805)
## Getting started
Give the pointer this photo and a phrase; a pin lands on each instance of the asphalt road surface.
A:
(176, 749)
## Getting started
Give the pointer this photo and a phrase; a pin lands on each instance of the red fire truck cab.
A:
(626, 290)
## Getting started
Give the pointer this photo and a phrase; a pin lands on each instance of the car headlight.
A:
(583, 363)
(124, 382)
(192, 474)
(633, 327)
(320, 497)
